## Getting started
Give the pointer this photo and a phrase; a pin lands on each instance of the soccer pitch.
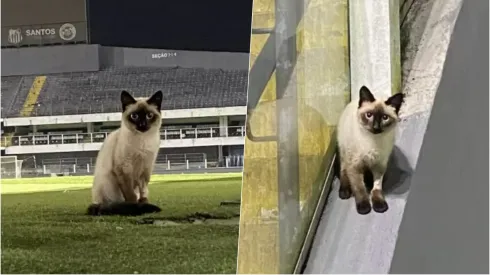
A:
(45, 229)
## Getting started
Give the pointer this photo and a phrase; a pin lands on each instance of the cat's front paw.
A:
(379, 202)
(380, 205)
(345, 192)
(143, 200)
(363, 206)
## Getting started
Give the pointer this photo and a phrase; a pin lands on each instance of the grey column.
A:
(445, 223)
(223, 124)
(287, 132)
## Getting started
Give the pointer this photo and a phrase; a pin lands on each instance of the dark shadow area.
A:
(397, 177)
(398, 174)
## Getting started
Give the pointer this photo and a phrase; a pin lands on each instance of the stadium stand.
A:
(10, 88)
(98, 92)
(18, 94)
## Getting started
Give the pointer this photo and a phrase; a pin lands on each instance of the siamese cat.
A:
(125, 161)
(365, 139)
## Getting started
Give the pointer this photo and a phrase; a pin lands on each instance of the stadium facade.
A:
(61, 81)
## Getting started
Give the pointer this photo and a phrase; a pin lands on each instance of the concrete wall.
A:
(119, 57)
(54, 59)
(80, 58)
(445, 222)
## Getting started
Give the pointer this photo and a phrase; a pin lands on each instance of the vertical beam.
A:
(375, 46)
(287, 132)
(223, 126)
(258, 238)
(220, 153)
(90, 127)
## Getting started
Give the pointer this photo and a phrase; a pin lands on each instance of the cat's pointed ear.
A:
(396, 101)
(156, 100)
(126, 99)
(365, 95)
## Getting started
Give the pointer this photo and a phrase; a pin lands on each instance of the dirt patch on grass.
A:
(196, 218)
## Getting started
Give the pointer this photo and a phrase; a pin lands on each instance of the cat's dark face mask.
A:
(378, 116)
(142, 115)
(377, 121)
(141, 119)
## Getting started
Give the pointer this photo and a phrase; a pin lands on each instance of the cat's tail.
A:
(122, 209)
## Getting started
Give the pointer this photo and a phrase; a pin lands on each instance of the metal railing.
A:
(97, 137)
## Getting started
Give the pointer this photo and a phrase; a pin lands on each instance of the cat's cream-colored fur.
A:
(357, 145)
(126, 159)
(363, 149)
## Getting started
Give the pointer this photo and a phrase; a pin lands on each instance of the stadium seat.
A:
(98, 92)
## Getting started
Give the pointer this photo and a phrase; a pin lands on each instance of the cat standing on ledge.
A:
(365, 138)
(126, 159)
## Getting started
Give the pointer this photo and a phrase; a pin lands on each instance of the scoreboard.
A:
(205, 25)
(43, 22)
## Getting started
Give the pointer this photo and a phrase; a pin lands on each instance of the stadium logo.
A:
(40, 32)
(15, 36)
(68, 32)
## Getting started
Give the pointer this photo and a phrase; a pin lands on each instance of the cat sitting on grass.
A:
(365, 138)
(126, 159)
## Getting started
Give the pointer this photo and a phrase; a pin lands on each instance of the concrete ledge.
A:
(105, 117)
(50, 59)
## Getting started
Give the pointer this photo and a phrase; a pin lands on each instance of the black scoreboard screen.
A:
(209, 25)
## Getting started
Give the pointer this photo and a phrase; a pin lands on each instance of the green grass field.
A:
(45, 229)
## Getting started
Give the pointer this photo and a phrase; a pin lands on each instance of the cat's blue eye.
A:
(385, 117)
(134, 116)
(369, 114)
(149, 116)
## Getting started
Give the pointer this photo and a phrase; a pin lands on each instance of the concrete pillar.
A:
(90, 127)
(223, 124)
(374, 28)
(220, 153)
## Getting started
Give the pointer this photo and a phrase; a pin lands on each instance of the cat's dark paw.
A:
(363, 207)
(345, 192)
(93, 210)
(143, 200)
(379, 202)
(380, 205)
